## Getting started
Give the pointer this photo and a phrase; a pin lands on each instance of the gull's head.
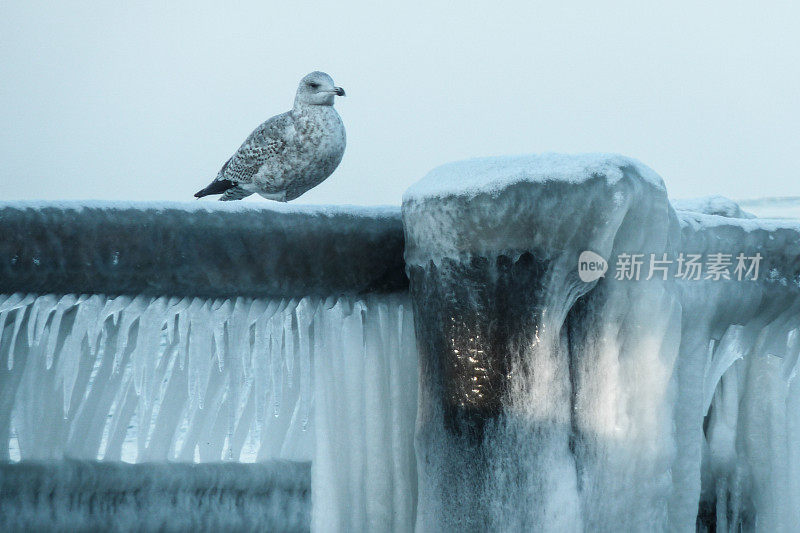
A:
(317, 88)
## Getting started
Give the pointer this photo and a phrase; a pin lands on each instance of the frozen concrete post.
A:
(492, 248)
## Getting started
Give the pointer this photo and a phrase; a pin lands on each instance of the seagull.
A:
(290, 153)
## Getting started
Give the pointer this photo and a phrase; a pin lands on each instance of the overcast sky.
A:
(114, 100)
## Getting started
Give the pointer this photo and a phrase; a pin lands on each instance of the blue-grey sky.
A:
(145, 100)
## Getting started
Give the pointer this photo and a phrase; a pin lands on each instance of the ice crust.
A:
(155, 379)
(89, 496)
(492, 174)
(387, 211)
(712, 205)
(193, 249)
(615, 405)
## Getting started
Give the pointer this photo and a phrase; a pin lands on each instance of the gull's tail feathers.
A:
(216, 187)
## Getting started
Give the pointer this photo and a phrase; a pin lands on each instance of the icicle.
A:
(96, 325)
(114, 307)
(260, 370)
(64, 303)
(40, 311)
(257, 309)
(290, 330)
(289, 325)
(400, 321)
(262, 357)
(91, 321)
(10, 358)
(67, 373)
(239, 333)
(276, 361)
(384, 324)
(11, 302)
(185, 318)
(793, 355)
(21, 310)
(27, 300)
(15, 302)
(239, 349)
(221, 312)
(3, 316)
(329, 302)
(69, 364)
(201, 359)
(3, 299)
(731, 347)
(148, 349)
(174, 307)
(305, 313)
(128, 311)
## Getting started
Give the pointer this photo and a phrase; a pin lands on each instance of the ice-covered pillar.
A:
(492, 251)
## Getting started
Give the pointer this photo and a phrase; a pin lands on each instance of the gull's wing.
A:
(266, 143)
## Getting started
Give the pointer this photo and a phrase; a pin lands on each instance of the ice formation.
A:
(89, 496)
(515, 396)
(712, 205)
(156, 249)
(153, 379)
(616, 405)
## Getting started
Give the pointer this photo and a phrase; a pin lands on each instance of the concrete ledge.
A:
(92, 496)
(185, 250)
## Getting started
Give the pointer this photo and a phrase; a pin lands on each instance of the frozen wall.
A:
(284, 337)
(177, 249)
(740, 341)
(607, 404)
(256, 336)
(88, 496)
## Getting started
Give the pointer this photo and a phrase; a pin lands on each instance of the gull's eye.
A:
(313, 85)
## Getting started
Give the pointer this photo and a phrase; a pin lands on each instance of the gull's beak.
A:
(338, 91)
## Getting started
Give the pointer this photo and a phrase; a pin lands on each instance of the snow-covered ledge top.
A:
(205, 206)
(712, 205)
(551, 205)
(490, 174)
